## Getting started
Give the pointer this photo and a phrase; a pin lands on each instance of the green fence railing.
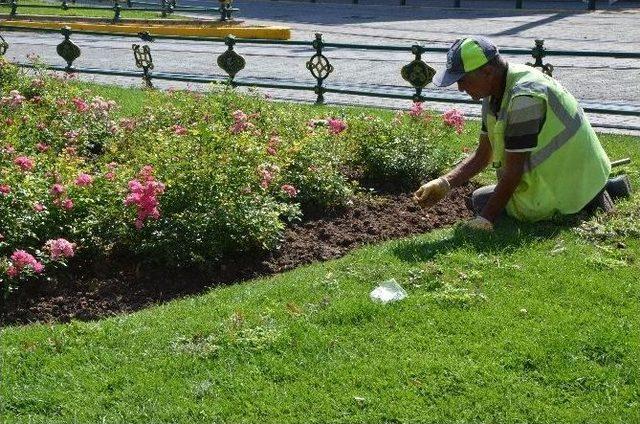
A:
(519, 4)
(416, 72)
(164, 8)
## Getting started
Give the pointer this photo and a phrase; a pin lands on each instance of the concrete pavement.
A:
(590, 79)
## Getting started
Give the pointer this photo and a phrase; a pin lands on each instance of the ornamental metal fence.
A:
(417, 73)
(164, 8)
(519, 4)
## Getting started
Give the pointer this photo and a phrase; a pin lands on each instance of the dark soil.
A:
(125, 287)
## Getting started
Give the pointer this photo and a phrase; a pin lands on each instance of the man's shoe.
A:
(618, 187)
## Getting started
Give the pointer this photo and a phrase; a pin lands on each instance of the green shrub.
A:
(404, 151)
(190, 179)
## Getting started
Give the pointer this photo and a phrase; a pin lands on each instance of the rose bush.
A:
(189, 179)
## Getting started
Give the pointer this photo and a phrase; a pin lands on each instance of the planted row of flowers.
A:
(189, 179)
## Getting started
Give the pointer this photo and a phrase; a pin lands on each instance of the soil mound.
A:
(122, 286)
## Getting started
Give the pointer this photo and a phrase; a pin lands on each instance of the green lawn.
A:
(23, 11)
(533, 324)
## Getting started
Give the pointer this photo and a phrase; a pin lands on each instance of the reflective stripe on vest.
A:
(571, 123)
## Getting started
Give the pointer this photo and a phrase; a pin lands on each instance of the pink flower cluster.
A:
(265, 178)
(336, 126)
(455, 119)
(267, 174)
(21, 260)
(127, 124)
(240, 122)
(290, 190)
(272, 146)
(81, 105)
(14, 99)
(144, 194)
(72, 135)
(416, 109)
(111, 173)
(179, 130)
(60, 248)
(101, 105)
(57, 190)
(5, 189)
(8, 149)
(37, 83)
(84, 180)
(24, 163)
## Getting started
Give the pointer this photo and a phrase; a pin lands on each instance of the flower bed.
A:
(192, 179)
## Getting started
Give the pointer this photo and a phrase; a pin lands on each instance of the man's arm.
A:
(471, 165)
(514, 168)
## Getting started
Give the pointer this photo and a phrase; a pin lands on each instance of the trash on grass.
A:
(388, 291)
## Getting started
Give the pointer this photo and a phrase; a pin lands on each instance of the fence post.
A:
(225, 10)
(538, 52)
(3, 46)
(142, 55)
(417, 73)
(116, 10)
(164, 6)
(319, 67)
(230, 61)
(456, 3)
(14, 7)
(518, 4)
(591, 5)
(67, 49)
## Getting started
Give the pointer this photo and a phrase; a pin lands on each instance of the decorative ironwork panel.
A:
(3, 46)
(417, 73)
(167, 7)
(319, 66)
(225, 10)
(142, 54)
(116, 11)
(230, 61)
(539, 52)
(67, 49)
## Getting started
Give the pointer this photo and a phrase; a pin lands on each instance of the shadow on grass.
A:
(509, 234)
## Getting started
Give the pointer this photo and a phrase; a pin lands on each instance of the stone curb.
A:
(207, 29)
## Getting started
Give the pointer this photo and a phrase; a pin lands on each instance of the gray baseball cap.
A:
(464, 56)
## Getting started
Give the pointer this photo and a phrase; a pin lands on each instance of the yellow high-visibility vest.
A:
(567, 168)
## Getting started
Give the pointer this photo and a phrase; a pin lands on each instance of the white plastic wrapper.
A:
(388, 291)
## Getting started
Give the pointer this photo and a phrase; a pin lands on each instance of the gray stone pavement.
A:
(563, 25)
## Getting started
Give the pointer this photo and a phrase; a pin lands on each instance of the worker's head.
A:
(473, 63)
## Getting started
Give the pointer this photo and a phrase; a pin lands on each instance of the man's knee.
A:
(480, 197)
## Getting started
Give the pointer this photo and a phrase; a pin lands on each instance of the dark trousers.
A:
(614, 189)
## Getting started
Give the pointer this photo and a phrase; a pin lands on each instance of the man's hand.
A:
(432, 192)
(479, 223)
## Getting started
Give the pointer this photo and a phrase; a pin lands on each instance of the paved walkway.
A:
(563, 25)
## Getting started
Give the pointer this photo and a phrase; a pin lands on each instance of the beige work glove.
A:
(432, 192)
(479, 223)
